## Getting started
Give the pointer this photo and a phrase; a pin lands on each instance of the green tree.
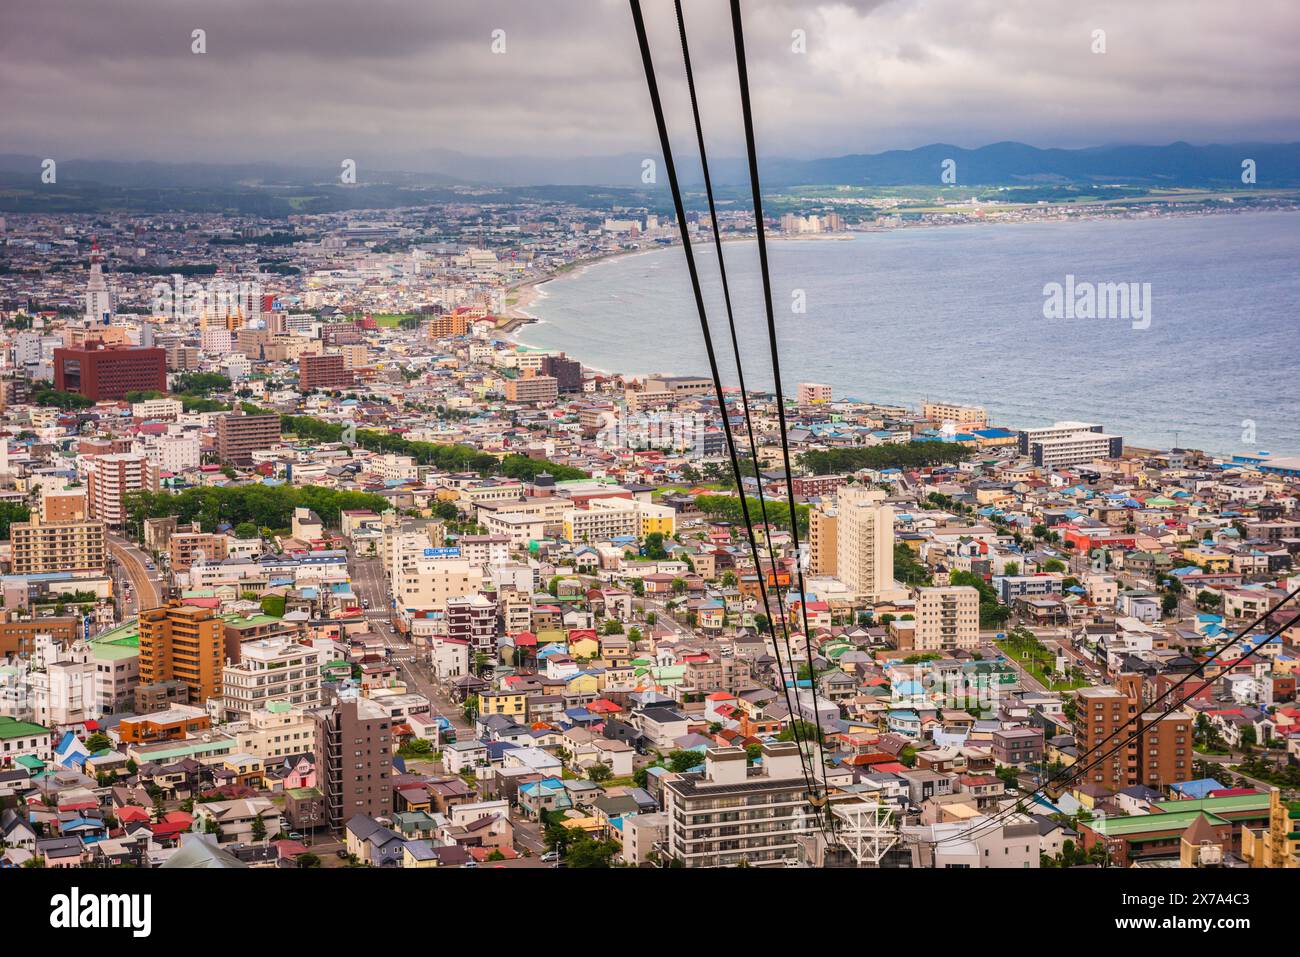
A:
(805, 731)
(654, 546)
(586, 851)
(680, 761)
(11, 512)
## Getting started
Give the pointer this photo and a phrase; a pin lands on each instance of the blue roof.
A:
(1196, 789)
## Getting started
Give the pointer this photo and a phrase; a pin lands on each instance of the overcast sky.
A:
(389, 81)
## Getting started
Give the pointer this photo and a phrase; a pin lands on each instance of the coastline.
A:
(528, 291)
(531, 291)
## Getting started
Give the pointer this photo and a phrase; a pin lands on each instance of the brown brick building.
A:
(323, 372)
(99, 372)
(240, 435)
(1107, 715)
(19, 637)
(354, 756)
(185, 547)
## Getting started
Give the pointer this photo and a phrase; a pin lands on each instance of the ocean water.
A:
(957, 314)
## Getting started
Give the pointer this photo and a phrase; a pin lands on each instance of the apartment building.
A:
(823, 541)
(1076, 448)
(947, 619)
(864, 546)
(731, 813)
(182, 643)
(964, 417)
(173, 453)
(566, 372)
(185, 548)
(426, 584)
(354, 751)
(810, 393)
(446, 327)
(323, 372)
(39, 547)
(63, 505)
(1109, 714)
(278, 731)
(270, 670)
(517, 528)
(532, 388)
(1069, 443)
(240, 435)
(111, 478)
(473, 619)
(606, 518)
(117, 669)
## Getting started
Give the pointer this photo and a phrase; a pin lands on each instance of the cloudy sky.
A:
(389, 82)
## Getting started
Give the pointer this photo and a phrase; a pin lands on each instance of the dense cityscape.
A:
(309, 564)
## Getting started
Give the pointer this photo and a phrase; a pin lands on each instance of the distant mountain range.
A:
(998, 164)
(276, 188)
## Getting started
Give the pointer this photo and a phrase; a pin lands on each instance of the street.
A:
(145, 584)
(371, 585)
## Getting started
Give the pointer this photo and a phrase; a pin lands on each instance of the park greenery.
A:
(913, 455)
(727, 507)
(262, 505)
(451, 458)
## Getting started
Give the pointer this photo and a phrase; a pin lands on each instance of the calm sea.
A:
(957, 313)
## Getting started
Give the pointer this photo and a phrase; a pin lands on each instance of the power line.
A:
(1076, 770)
(740, 373)
(756, 190)
(666, 147)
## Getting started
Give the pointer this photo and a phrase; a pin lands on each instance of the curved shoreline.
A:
(555, 340)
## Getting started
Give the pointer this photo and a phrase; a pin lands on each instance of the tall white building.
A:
(99, 301)
(947, 618)
(111, 478)
(864, 541)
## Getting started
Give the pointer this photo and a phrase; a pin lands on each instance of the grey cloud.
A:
(390, 81)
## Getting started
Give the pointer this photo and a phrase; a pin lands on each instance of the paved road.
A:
(145, 584)
(664, 617)
(990, 650)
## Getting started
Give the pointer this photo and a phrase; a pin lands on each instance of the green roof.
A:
(1178, 815)
(118, 643)
(1141, 823)
(1219, 805)
(13, 728)
(238, 621)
